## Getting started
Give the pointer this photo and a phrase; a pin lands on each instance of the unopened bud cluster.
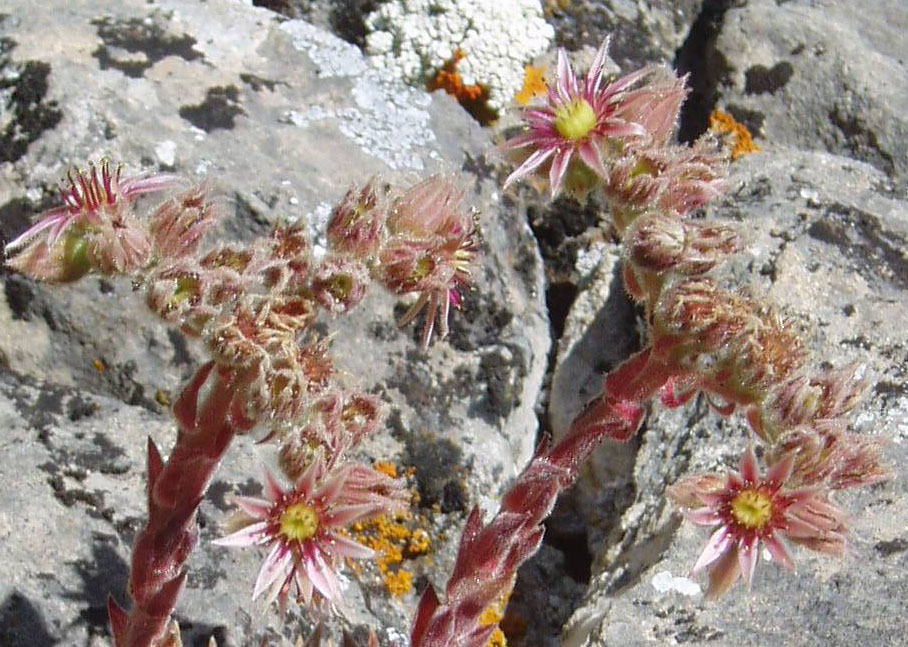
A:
(254, 307)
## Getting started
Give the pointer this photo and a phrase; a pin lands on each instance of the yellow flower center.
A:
(299, 522)
(575, 121)
(424, 267)
(752, 509)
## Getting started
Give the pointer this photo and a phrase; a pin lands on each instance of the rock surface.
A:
(282, 117)
(826, 239)
(819, 76)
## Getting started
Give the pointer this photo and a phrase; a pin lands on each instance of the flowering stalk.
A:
(589, 135)
(175, 490)
(253, 307)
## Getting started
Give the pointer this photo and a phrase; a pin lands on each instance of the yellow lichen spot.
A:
(162, 397)
(493, 615)
(386, 467)
(752, 509)
(419, 543)
(394, 541)
(399, 582)
(575, 120)
(534, 84)
(740, 139)
(299, 522)
(99, 365)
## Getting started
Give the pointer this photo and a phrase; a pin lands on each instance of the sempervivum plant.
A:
(253, 307)
(592, 135)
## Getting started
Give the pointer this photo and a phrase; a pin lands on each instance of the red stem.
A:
(175, 490)
(490, 554)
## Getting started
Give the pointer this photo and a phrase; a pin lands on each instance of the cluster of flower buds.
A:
(253, 307)
(588, 136)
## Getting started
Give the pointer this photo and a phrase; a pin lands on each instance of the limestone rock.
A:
(819, 76)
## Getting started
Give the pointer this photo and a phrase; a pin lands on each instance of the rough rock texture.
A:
(642, 32)
(282, 117)
(826, 238)
(819, 76)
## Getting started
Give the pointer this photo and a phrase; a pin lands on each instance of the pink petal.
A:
(277, 563)
(344, 547)
(529, 165)
(304, 584)
(248, 536)
(272, 488)
(255, 508)
(559, 168)
(520, 141)
(723, 575)
(564, 77)
(50, 219)
(344, 515)
(594, 74)
(703, 516)
(320, 573)
(779, 552)
(748, 466)
(306, 485)
(591, 156)
(333, 487)
(747, 558)
(621, 128)
(718, 543)
(627, 81)
(780, 472)
(148, 184)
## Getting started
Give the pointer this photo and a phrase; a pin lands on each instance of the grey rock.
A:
(820, 76)
(825, 239)
(642, 32)
(283, 117)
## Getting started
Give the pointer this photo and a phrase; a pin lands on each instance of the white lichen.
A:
(665, 582)
(390, 121)
(413, 39)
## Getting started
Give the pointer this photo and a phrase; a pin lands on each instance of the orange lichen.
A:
(399, 582)
(386, 467)
(394, 541)
(740, 139)
(474, 98)
(534, 85)
(99, 366)
(492, 615)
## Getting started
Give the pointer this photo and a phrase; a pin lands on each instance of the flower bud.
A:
(356, 223)
(664, 243)
(340, 284)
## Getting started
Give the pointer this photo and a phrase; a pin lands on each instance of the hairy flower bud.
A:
(287, 260)
(432, 207)
(339, 284)
(662, 243)
(825, 454)
(178, 225)
(432, 250)
(356, 223)
(666, 179)
(95, 230)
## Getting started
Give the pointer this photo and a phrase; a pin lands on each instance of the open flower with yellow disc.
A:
(304, 528)
(750, 512)
(582, 122)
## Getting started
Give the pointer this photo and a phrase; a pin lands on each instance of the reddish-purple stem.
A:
(489, 556)
(175, 490)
